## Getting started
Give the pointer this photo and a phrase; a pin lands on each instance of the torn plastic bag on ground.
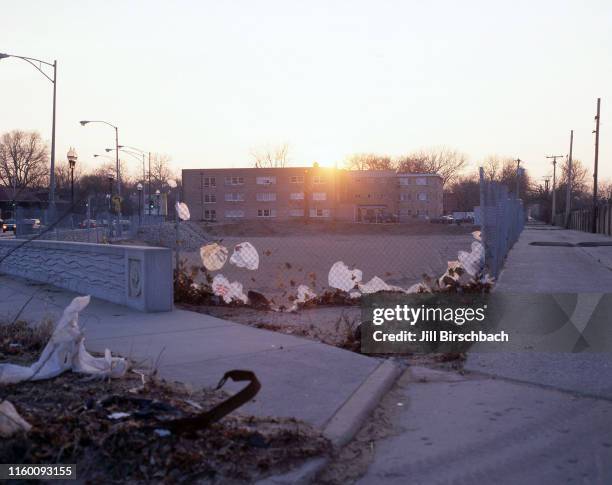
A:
(228, 291)
(182, 211)
(343, 278)
(245, 256)
(10, 420)
(213, 256)
(65, 351)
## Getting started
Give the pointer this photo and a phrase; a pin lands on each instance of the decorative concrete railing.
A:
(135, 276)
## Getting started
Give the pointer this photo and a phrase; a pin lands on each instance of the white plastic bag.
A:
(182, 211)
(10, 420)
(343, 278)
(65, 351)
(228, 291)
(473, 261)
(213, 256)
(245, 256)
(376, 284)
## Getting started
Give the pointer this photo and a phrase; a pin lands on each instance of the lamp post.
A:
(84, 122)
(139, 188)
(53, 80)
(158, 194)
(144, 154)
(72, 160)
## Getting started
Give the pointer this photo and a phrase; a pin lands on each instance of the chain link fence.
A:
(502, 218)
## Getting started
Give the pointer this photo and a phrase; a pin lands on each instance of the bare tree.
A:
(24, 160)
(369, 161)
(445, 162)
(268, 157)
(579, 177)
(492, 167)
(160, 170)
(62, 175)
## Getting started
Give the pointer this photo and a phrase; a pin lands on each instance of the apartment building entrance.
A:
(373, 213)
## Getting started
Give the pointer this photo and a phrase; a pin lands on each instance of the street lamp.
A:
(136, 153)
(158, 195)
(84, 122)
(33, 61)
(139, 188)
(72, 160)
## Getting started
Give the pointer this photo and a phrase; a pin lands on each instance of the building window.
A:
(266, 212)
(266, 197)
(231, 197)
(234, 180)
(209, 182)
(234, 214)
(421, 181)
(210, 215)
(319, 196)
(296, 212)
(266, 180)
(405, 197)
(422, 196)
(404, 181)
(319, 212)
(296, 196)
(210, 198)
(297, 179)
(318, 180)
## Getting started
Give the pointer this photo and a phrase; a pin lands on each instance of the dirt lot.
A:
(316, 228)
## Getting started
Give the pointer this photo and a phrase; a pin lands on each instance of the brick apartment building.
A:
(234, 194)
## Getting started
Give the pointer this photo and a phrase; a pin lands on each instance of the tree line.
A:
(24, 166)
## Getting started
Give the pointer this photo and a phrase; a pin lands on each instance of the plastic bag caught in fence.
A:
(65, 351)
(228, 291)
(377, 284)
(304, 294)
(213, 256)
(472, 262)
(182, 211)
(343, 278)
(245, 256)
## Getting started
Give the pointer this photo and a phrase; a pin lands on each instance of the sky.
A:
(209, 82)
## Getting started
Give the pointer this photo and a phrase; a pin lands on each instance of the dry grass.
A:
(21, 339)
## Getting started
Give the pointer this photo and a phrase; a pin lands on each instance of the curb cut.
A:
(347, 420)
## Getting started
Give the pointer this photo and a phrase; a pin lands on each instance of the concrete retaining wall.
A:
(135, 276)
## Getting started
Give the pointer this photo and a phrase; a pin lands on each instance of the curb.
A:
(303, 475)
(347, 420)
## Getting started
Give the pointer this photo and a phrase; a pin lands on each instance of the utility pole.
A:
(568, 189)
(554, 188)
(594, 227)
(518, 176)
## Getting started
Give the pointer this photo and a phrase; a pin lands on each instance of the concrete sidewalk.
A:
(325, 386)
(519, 417)
(558, 270)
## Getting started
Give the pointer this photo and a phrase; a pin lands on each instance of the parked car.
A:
(88, 223)
(9, 225)
(33, 224)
